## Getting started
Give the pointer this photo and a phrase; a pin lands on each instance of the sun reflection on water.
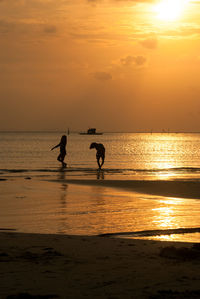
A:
(165, 215)
(193, 238)
(165, 176)
(163, 152)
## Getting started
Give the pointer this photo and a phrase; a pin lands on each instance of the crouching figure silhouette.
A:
(100, 153)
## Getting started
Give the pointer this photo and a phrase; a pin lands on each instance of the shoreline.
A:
(168, 188)
(65, 266)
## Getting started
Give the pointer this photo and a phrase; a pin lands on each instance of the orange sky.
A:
(115, 65)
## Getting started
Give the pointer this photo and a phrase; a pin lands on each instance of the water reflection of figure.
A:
(63, 186)
(62, 145)
(100, 153)
(100, 174)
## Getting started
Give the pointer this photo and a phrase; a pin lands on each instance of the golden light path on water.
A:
(162, 151)
(170, 213)
(166, 214)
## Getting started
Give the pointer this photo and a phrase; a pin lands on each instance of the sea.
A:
(37, 195)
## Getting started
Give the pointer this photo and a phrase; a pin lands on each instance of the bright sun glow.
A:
(170, 10)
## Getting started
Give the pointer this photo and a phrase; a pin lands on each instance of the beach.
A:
(130, 230)
(108, 262)
(63, 266)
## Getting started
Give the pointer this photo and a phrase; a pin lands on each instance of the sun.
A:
(170, 10)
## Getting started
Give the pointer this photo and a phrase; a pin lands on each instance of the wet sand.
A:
(61, 266)
(170, 188)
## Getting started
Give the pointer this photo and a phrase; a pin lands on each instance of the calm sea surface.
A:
(28, 168)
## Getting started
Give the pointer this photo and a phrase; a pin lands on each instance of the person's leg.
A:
(98, 162)
(102, 162)
(59, 158)
(62, 160)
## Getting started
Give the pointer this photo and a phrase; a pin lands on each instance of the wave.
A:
(106, 170)
(58, 170)
(158, 232)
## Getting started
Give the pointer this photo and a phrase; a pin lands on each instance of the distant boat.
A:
(91, 131)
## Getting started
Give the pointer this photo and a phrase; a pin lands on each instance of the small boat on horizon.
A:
(91, 131)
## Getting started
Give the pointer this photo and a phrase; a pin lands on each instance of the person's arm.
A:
(55, 146)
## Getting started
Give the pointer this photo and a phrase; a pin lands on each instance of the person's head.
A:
(93, 145)
(63, 139)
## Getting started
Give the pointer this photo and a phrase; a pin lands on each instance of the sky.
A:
(117, 65)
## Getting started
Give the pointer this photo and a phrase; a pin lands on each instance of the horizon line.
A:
(77, 131)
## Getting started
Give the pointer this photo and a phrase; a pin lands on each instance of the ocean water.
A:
(36, 195)
(128, 154)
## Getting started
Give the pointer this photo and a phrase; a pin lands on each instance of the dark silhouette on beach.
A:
(100, 153)
(62, 145)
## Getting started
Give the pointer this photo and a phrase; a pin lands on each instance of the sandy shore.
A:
(60, 266)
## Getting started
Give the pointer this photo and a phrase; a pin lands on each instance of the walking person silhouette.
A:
(62, 145)
(100, 152)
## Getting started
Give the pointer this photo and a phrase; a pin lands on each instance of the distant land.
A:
(106, 132)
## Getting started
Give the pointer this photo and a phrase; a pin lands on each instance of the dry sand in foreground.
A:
(58, 266)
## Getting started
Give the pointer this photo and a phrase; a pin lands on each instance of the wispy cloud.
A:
(102, 76)
(133, 61)
(50, 29)
(149, 43)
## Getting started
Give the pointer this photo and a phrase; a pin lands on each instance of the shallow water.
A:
(53, 207)
(36, 197)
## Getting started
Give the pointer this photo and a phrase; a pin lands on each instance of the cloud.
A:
(26, 27)
(184, 32)
(121, 2)
(50, 29)
(150, 43)
(102, 76)
(133, 61)
(6, 27)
